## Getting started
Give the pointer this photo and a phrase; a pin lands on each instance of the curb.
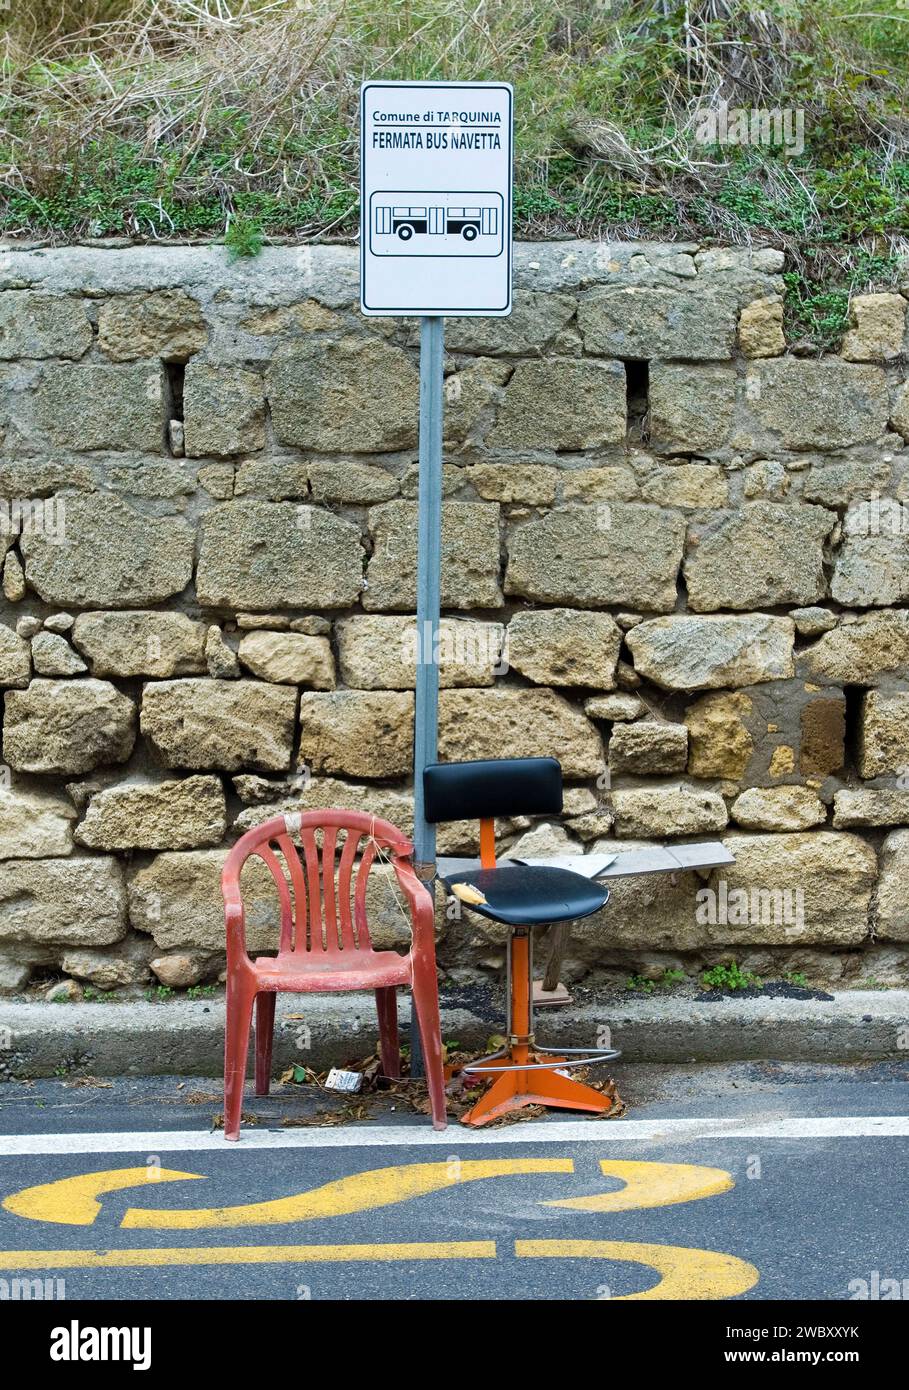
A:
(186, 1037)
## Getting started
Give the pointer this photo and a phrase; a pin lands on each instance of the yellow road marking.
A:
(379, 1187)
(686, 1274)
(245, 1255)
(650, 1185)
(73, 1201)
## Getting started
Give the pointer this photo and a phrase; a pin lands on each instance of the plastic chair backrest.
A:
(321, 886)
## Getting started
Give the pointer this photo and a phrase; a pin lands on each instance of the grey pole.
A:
(429, 553)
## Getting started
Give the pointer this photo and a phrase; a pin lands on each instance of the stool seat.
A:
(524, 895)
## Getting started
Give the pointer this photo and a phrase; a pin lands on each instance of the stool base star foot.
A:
(515, 1089)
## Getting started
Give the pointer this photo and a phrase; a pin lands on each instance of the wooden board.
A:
(655, 859)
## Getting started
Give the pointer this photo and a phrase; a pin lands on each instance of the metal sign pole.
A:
(429, 555)
(435, 240)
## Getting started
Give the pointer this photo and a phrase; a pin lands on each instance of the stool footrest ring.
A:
(567, 1057)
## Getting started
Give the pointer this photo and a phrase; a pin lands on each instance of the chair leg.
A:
(426, 1006)
(265, 1032)
(389, 1050)
(236, 1050)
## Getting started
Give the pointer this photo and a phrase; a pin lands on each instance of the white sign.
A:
(435, 198)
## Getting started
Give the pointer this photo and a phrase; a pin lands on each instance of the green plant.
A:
(640, 984)
(158, 993)
(243, 236)
(729, 976)
(797, 977)
(201, 991)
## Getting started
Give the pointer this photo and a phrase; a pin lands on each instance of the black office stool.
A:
(521, 897)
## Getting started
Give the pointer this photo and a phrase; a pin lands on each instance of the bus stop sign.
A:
(435, 198)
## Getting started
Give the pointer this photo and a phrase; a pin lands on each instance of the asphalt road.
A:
(752, 1181)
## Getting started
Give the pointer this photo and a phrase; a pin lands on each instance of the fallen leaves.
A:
(462, 1090)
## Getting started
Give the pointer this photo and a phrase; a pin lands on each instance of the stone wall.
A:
(676, 555)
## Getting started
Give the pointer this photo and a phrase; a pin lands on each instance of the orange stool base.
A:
(531, 1078)
(515, 1089)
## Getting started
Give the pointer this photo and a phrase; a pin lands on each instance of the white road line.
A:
(456, 1136)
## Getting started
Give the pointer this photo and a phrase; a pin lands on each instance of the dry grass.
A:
(166, 78)
(176, 73)
(169, 118)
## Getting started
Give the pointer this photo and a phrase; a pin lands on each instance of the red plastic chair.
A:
(324, 946)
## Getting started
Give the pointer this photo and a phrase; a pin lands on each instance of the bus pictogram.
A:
(436, 224)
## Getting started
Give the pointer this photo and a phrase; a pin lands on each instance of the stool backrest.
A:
(492, 787)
